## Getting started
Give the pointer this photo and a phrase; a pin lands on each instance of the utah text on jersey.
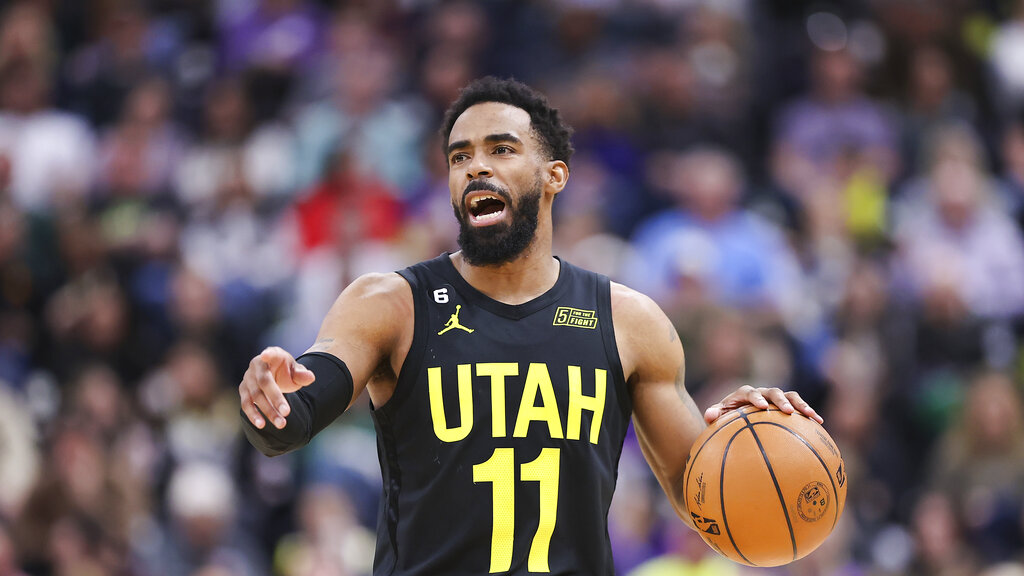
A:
(538, 401)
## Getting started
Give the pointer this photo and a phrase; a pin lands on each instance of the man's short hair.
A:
(545, 121)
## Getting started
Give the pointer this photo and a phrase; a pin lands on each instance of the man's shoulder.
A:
(379, 286)
(631, 306)
(377, 303)
(400, 283)
(646, 339)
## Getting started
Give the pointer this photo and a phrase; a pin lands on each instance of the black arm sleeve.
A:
(313, 407)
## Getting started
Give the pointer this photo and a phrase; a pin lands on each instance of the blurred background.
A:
(823, 196)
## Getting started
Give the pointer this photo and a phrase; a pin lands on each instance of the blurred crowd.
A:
(825, 196)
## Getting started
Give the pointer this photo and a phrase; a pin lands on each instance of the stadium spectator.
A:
(51, 152)
(234, 144)
(954, 241)
(201, 502)
(979, 465)
(740, 259)
(363, 103)
(834, 119)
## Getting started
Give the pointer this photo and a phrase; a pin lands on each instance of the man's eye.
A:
(502, 150)
(456, 158)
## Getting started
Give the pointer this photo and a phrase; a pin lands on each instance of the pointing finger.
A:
(275, 356)
(252, 412)
(270, 400)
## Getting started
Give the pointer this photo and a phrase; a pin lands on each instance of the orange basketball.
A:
(765, 488)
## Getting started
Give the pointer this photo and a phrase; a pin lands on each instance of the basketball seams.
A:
(694, 455)
(721, 491)
(828, 473)
(775, 480)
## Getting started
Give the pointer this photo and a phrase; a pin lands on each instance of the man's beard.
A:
(504, 242)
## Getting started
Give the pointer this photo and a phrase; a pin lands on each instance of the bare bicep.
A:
(369, 327)
(665, 417)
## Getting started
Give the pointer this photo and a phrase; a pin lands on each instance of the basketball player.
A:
(502, 378)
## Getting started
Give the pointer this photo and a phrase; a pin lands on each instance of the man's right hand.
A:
(269, 377)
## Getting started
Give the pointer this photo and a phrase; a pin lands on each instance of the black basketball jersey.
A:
(500, 445)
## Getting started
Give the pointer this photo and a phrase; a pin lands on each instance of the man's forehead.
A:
(481, 120)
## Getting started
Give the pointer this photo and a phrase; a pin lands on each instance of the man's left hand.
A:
(787, 402)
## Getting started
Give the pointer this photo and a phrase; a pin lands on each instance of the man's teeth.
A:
(489, 216)
(475, 202)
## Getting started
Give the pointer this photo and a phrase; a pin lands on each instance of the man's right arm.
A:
(286, 401)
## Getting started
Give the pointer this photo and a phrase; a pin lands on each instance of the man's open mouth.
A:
(484, 208)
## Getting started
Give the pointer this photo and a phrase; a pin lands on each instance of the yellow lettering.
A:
(441, 429)
(544, 470)
(500, 471)
(498, 371)
(538, 380)
(578, 403)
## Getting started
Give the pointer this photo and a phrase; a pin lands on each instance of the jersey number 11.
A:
(500, 471)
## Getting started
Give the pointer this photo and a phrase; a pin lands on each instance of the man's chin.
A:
(487, 252)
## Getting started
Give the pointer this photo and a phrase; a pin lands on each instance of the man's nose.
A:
(478, 167)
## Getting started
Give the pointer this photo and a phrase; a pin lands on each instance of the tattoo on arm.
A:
(322, 344)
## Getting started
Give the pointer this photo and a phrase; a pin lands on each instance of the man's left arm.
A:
(666, 419)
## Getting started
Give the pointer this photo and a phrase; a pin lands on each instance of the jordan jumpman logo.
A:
(453, 322)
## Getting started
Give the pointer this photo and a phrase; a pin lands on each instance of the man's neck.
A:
(531, 274)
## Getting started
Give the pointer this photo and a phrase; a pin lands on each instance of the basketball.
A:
(764, 488)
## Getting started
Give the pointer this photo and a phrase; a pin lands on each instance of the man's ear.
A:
(558, 175)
